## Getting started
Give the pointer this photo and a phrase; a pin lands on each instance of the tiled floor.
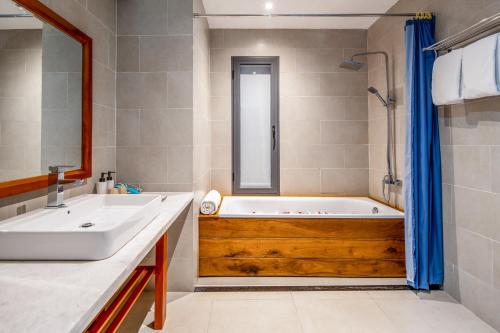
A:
(310, 312)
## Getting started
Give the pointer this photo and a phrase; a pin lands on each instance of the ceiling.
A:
(9, 7)
(291, 7)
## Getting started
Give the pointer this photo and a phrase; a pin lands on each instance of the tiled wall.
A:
(155, 94)
(20, 108)
(323, 109)
(97, 18)
(470, 144)
(162, 116)
(201, 116)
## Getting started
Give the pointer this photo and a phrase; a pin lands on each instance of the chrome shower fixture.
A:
(375, 92)
(389, 179)
(351, 64)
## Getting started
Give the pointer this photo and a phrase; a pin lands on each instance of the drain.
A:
(87, 225)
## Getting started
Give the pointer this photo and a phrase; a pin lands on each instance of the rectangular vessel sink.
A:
(93, 227)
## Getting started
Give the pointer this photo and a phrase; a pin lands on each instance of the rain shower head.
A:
(374, 91)
(351, 64)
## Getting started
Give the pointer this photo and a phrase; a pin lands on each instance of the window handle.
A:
(274, 136)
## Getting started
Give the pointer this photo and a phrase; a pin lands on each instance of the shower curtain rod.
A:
(418, 15)
(15, 15)
(473, 33)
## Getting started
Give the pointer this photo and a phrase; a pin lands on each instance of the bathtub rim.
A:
(304, 216)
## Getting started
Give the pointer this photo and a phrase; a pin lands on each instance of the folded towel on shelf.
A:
(480, 68)
(210, 203)
(447, 79)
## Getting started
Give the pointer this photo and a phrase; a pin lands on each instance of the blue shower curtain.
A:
(423, 206)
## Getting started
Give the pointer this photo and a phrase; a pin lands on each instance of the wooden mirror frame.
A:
(44, 13)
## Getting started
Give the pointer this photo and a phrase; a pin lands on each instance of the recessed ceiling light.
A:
(269, 5)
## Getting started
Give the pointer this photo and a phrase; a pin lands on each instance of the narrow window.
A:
(255, 91)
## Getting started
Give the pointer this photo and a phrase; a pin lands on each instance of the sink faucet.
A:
(55, 191)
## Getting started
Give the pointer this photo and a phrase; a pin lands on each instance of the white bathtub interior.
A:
(305, 207)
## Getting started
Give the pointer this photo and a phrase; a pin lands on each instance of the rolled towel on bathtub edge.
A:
(210, 203)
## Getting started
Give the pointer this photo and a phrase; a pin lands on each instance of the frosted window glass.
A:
(255, 126)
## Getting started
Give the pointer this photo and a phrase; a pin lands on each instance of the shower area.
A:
(336, 131)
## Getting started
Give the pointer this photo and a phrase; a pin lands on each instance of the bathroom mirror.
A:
(45, 97)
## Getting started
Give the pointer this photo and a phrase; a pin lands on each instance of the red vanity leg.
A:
(161, 283)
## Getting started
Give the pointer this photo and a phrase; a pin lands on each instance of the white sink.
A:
(60, 234)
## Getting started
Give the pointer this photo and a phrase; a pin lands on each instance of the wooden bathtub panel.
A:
(214, 227)
(302, 248)
(301, 267)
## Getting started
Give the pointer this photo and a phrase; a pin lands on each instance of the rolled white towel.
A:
(210, 203)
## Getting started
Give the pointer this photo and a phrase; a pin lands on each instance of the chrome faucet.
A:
(55, 191)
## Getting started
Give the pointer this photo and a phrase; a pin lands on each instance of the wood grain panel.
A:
(301, 228)
(301, 267)
(302, 248)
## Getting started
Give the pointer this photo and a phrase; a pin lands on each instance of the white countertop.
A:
(41, 296)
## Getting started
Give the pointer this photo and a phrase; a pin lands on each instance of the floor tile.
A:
(393, 294)
(416, 316)
(308, 312)
(343, 315)
(284, 295)
(305, 295)
(254, 316)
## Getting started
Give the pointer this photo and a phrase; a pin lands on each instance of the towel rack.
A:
(475, 32)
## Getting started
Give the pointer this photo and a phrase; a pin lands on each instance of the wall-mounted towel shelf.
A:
(473, 33)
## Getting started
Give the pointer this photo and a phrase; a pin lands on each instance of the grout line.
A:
(210, 314)
(297, 312)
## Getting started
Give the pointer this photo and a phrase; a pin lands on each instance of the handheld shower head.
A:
(374, 91)
(351, 64)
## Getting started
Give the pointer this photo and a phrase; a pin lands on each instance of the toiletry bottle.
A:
(102, 186)
(110, 181)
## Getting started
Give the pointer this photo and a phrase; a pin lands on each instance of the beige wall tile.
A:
(300, 181)
(180, 89)
(180, 17)
(344, 181)
(495, 169)
(344, 84)
(348, 132)
(318, 60)
(333, 156)
(496, 265)
(180, 164)
(475, 255)
(141, 90)
(300, 84)
(136, 17)
(477, 211)
(220, 108)
(221, 180)
(356, 156)
(471, 167)
(166, 53)
(128, 127)
(105, 10)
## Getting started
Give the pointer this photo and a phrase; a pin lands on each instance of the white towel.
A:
(210, 203)
(479, 68)
(447, 79)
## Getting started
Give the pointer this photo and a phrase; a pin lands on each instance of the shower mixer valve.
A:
(389, 180)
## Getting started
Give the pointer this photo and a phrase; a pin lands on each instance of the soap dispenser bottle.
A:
(102, 186)
(110, 181)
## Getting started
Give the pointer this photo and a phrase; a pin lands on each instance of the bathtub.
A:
(305, 207)
(302, 237)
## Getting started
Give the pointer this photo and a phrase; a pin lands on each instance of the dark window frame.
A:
(273, 62)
